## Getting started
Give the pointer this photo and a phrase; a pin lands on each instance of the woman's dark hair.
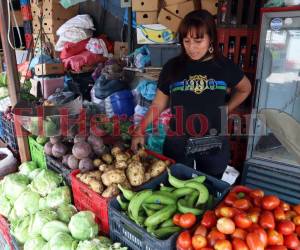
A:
(203, 23)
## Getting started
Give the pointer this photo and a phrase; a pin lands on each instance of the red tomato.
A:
(225, 225)
(297, 230)
(285, 206)
(223, 245)
(286, 227)
(230, 198)
(289, 215)
(257, 201)
(206, 248)
(209, 219)
(291, 241)
(270, 202)
(296, 220)
(254, 216)
(187, 220)
(198, 241)
(242, 221)
(274, 238)
(176, 219)
(262, 235)
(276, 248)
(239, 233)
(201, 230)
(253, 242)
(239, 244)
(297, 209)
(184, 240)
(256, 193)
(266, 220)
(279, 213)
(214, 236)
(253, 227)
(242, 204)
(240, 188)
(227, 212)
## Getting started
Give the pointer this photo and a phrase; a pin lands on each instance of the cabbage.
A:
(14, 185)
(5, 206)
(62, 241)
(65, 212)
(57, 197)
(27, 203)
(36, 243)
(12, 217)
(45, 182)
(26, 167)
(53, 227)
(82, 226)
(20, 230)
(34, 173)
(94, 244)
(46, 247)
(39, 220)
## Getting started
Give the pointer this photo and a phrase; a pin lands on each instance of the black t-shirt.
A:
(197, 91)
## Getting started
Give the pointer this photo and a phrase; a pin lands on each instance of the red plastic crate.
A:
(87, 199)
(26, 12)
(28, 40)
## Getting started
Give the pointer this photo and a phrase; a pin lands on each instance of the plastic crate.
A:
(161, 53)
(7, 241)
(282, 182)
(27, 27)
(26, 12)
(87, 199)
(59, 168)
(123, 230)
(37, 152)
(9, 134)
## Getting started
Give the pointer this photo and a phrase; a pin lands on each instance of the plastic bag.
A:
(79, 21)
(8, 164)
(97, 46)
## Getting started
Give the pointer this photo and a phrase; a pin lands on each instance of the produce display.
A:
(41, 216)
(246, 220)
(154, 209)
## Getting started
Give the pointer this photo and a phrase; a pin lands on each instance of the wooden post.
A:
(12, 75)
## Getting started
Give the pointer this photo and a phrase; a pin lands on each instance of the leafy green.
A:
(27, 203)
(65, 212)
(35, 243)
(53, 227)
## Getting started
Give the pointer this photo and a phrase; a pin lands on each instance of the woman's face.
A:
(195, 47)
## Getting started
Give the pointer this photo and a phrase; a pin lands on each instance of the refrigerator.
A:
(273, 152)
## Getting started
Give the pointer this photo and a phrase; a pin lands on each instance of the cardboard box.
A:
(120, 49)
(50, 26)
(45, 86)
(145, 5)
(51, 38)
(181, 9)
(154, 34)
(169, 20)
(146, 17)
(49, 69)
(171, 2)
(58, 12)
(125, 3)
(210, 5)
(36, 11)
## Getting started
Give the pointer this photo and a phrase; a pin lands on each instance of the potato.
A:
(115, 176)
(116, 150)
(106, 167)
(142, 153)
(135, 173)
(81, 150)
(55, 139)
(126, 184)
(73, 162)
(147, 177)
(97, 162)
(85, 165)
(79, 138)
(59, 150)
(107, 158)
(121, 165)
(111, 191)
(48, 148)
(122, 157)
(96, 185)
(157, 168)
(95, 141)
(94, 174)
(135, 158)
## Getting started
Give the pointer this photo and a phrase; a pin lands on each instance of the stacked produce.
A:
(154, 209)
(41, 215)
(246, 220)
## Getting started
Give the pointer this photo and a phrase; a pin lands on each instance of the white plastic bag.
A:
(79, 21)
(8, 164)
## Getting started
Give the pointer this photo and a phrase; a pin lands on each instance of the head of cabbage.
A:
(94, 244)
(5, 206)
(83, 226)
(27, 167)
(63, 241)
(27, 203)
(38, 221)
(20, 230)
(65, 212)
(53, 227)
(14, 185)
(34, 243)
(58, 197)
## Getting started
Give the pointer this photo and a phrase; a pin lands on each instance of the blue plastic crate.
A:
(59, 168)
(123, 230)
(24, 2)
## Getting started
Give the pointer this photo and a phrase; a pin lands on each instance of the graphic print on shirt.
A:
(198, 84)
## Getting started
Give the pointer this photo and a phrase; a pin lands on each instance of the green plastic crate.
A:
(37, 152)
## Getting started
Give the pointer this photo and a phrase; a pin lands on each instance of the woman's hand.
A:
(137, 142)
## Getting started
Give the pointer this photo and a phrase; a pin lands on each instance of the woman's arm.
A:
(241, 92)
(158, 105)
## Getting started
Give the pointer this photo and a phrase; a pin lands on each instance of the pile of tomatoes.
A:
(245, 220)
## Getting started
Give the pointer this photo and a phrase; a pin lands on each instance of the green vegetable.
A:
(210, 202)
(136, 202)
(53, 227)
(45, 182)
(148, 211)
(34, 173)
(65, 212)
(38, 221)
(41, 140)
(159, 198)
(83, 226)
(179, 192)
(20, 230)
(13, 216)
(35, 243)
(191, 199)
(63, 241)
(128, 194)
(27, 167)
(167, 189)
(153, 206)
(27, 203)
(182, 208)
(123, 205)
(165, 232)
(167, 223)
(181, 183)
(59, 196)
(14, 185)
(161, 216)
(5, 206)
(203, 191)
